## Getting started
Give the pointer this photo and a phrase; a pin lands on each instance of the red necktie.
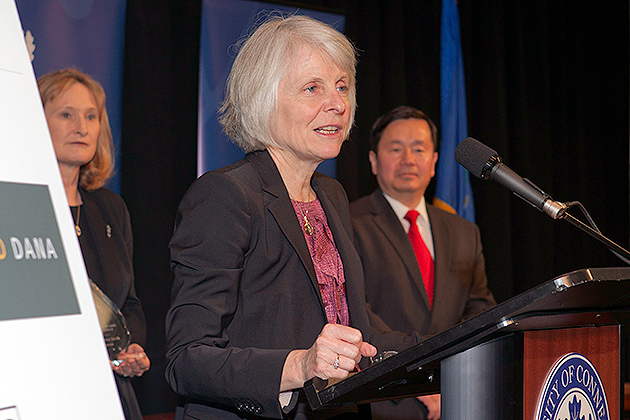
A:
(425, 262)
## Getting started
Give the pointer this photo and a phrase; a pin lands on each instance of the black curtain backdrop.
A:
(547, 87)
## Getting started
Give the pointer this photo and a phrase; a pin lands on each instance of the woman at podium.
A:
(268, 289)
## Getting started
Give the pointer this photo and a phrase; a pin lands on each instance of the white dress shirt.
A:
(422, 221)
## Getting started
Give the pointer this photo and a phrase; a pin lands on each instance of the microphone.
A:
(485, 163)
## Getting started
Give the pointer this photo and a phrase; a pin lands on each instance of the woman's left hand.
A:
(134, 361)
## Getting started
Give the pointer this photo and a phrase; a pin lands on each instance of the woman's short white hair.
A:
(251, 93)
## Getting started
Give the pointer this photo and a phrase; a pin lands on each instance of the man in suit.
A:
(426, 288)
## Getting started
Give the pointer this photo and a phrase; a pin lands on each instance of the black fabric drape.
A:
(547, 87)
(158, 159)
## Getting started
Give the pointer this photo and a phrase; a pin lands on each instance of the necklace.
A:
(76, 223)
(308, 227)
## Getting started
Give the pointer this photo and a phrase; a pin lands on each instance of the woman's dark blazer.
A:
(245, 291)
(112, 271)
(110, 227)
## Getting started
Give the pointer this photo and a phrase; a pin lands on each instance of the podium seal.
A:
(573, 390)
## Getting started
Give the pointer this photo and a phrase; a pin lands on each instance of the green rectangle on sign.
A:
(35, 279)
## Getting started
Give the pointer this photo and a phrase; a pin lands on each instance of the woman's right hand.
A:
(134, 362)
(334, 354)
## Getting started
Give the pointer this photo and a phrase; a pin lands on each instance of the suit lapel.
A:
(440, 233)
(386, 220)
(105, 246)
(278, 203)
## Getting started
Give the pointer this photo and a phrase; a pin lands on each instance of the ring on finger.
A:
(336, 364)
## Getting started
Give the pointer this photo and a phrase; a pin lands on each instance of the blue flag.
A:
(452, 192)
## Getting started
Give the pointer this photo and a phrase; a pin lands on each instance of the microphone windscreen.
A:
(473, 155)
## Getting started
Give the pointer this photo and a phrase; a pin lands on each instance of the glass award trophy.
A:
(113, 324)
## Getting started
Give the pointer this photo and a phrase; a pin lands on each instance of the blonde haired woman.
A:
(74, 104)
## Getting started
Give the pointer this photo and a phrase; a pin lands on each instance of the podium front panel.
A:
(542, 349)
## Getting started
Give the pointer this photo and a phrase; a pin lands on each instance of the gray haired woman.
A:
(268, 290)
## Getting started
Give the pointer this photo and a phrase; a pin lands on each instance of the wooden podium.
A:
(501, 364)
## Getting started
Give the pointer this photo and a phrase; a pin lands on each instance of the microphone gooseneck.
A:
(485, 163)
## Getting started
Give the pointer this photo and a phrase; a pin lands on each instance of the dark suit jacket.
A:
(393, 283)
(245, 291)
(110, 266)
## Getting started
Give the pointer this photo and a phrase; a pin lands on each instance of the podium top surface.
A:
(593, 296)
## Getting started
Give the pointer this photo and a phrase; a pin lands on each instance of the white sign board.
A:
(54, 359)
